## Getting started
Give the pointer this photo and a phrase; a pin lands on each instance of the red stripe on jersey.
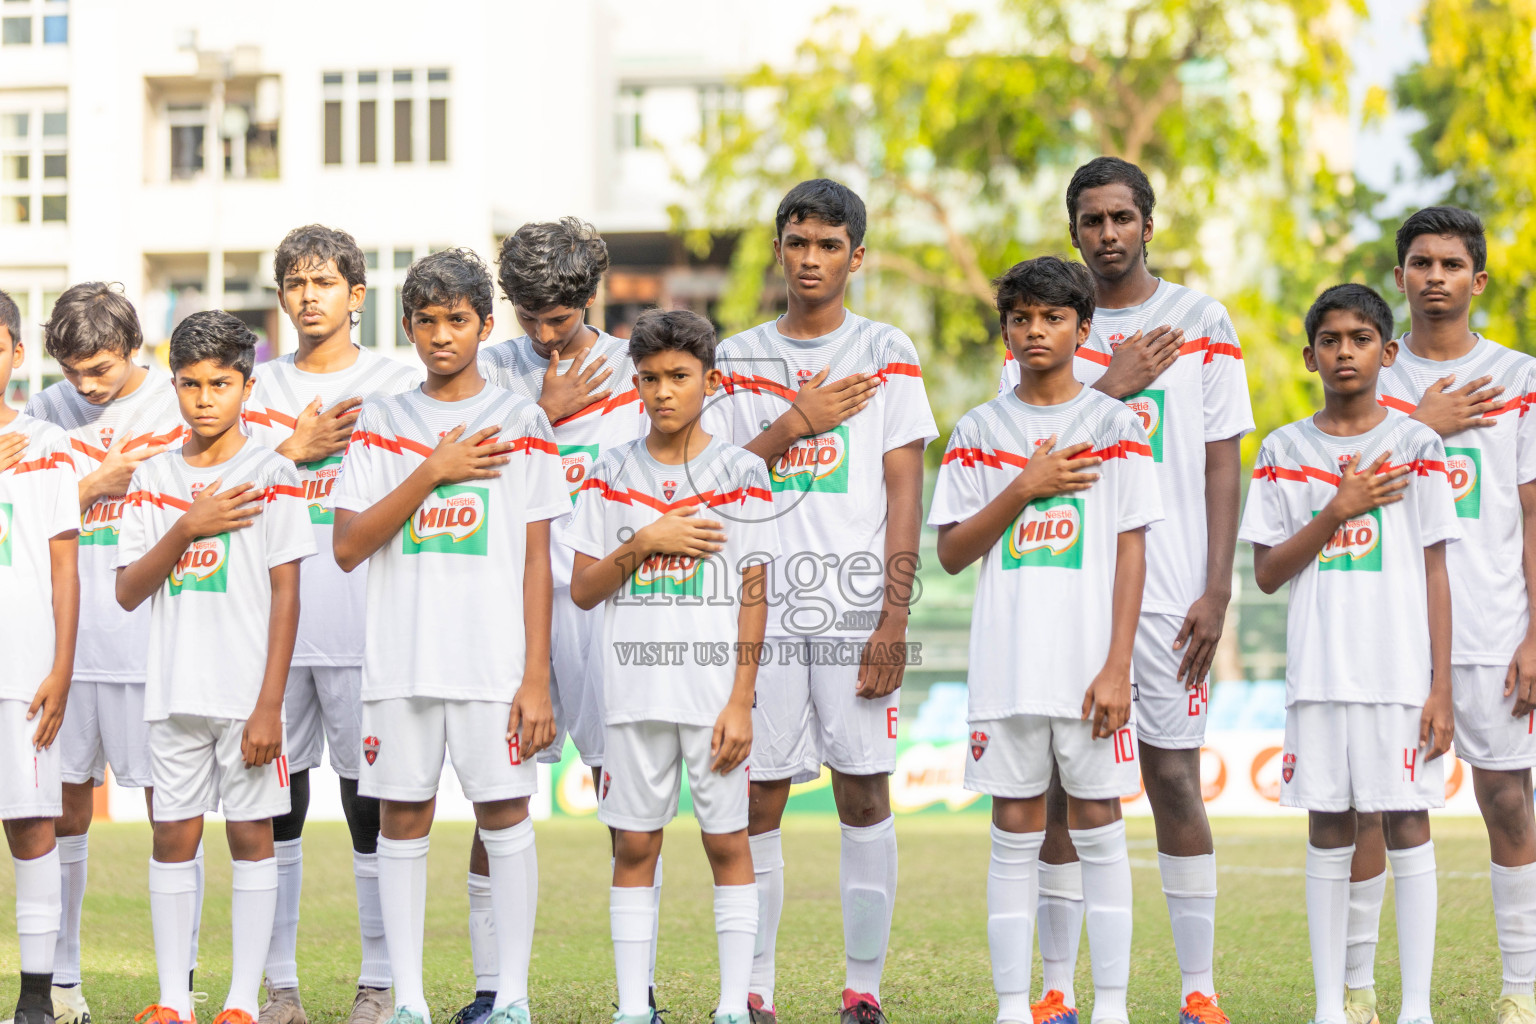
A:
(1222, 348)
(757, 385)
(1191, 347)
(142, 441)
(397, 445)
(158, 500)
(709, 499)
(603, 407)
(1387, 401)
(55, 461)
(267, 417)
(275, 491)
(1093, 355)
(995, 459)
(532, 444)
(1123, 450)
(905, 369)
(1424, 467)
(1300, 474)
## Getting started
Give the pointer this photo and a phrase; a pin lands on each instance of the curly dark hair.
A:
(556, 263)
(1446, 220)
(215, 336)
(672, 330)
(444, 278)
(92, 317)
(316, 244)
(830, 202)
(1356, 298)
(1046, 281)
(1111, 170)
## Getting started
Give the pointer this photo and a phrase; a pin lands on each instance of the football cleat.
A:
(233, 1017)
(371, 1006)
(1200, 1008)
(509, 1015)
(730, 1018)
(69, 1006)
(283, 1006)
(860, 1008)
(402, 1015)
(477, 1011)
(154, 1013)
(32, 1015)
(1053, 1009)
(1515, 1009)
(1360, 1006)
(757, 1013)
(632, 1018)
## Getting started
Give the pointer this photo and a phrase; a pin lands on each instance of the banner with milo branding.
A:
(450, 521)
(815, 463)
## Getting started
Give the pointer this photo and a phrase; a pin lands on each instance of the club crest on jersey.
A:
(319, 477)
(816, 463)
(1148, 407)
(803, 377)
(1047, 532)
(98, 526)
(203, 566)
(1355, 546)
(1464, 468)
(669, 574)
(451, 521)
(370, 749)
(607, 781)
(668, 489)
(979, 741)
(576, 462)
(1114, 340)
(5, 533)
(106, 434)
(1288, 767)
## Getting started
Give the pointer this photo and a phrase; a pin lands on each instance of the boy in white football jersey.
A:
(39, 604)
(1172, 356)
(117, 414)
(1476, 395)
(447, 492)
(212, 536)
(1352, 507)
(672, 535)
(1052, 485)
(835, 405)
(304, 406)
(581, 377)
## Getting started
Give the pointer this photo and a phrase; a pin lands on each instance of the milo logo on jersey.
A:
(203, 566)
(1354, 546)
(816, 463)
(99, 524)
(1148, 407)
(1047, 532)
(319, 478)
(576, 462)
(451, 521)
(5, 533)
(1464, 467)
(669, 574)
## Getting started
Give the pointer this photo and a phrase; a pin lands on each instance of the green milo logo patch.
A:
(682, 575)
(5, 533)
(1148, 407)
(203, 566)
(576, 462)
(319, 477)
(1355, 546)
(1047, 532)
(451, 521)
(815, 463)
(1464, 468)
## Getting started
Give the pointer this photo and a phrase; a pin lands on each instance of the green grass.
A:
(937, 972)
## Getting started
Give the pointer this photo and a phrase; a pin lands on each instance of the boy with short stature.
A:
(212, 537)
(581, 377)
(117, 413)
(447, 492)
(835, 405)
(1352, 507)
(39, 604)
(1475, 394)
(1052, 485)
(673, 534)
(304, 406)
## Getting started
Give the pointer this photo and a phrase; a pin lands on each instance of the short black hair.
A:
(445, 277)
(92, 317)
(557, 263)
(1445, 220)
(1111, 170)
(672, 330)
(317, 244)
(217, 337)
(1046, 281)
(1355, 298)
(830, 202)
(10, 317)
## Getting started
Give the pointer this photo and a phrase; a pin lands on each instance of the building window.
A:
(34, 162)
(403, 130)
(189, 125)
(333, 131)
(719, 106)
(368, 131)
(55, 29)
(15, 167)
(628, 123)
(16, 31)
(55, 209)
(368, 322)
(55, 165)
(55, 123)
(437, 131)
(15, 209)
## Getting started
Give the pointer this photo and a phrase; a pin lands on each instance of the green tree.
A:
(962, 140)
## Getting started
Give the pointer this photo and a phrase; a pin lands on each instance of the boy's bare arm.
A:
(1048, 473)
(884, 663)
(115, 473)
(48, 704)
(213, 512)
(1360, 490)
(1520, 680)
(262, 741)
(682, 531)
(532, 717)
(1108, 700)
(1205, 619)
(1437, 723)
(732, 741)
(357, 536)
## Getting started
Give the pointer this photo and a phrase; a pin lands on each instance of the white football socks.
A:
(1059, 923)
(650, 978)
(514, 904)
(1011, 899)
(38, 910)
(172, 906)
(197, 909)
(370, 921)
(1327, 926)
(735, 935)
(282, 967)
(1514, 917)
(252, 910)
(631, 916)
(403, 900)
(483, 955)
(867, 880)
(1417, 894)
(1189, 886)
(74, 852)
(768, 866)
(1107, 890)
(1364, 930)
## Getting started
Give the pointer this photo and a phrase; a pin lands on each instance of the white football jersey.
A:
(1041, 623)
(668, 650)
(38, 501)
(829, 488)
(1357, 628)
(1202, 397)
(445, 594)
(1486, 466)
(331, 603)
(112, 645)
(208, 620)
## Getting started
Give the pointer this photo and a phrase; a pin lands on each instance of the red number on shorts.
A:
(1410, 763)
(1198, 698)
(1125, 747)
(890, 722)
(515, 749)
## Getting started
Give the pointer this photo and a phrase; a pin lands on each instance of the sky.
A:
(1384, 159)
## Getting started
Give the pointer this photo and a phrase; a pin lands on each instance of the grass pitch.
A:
(937, 972)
